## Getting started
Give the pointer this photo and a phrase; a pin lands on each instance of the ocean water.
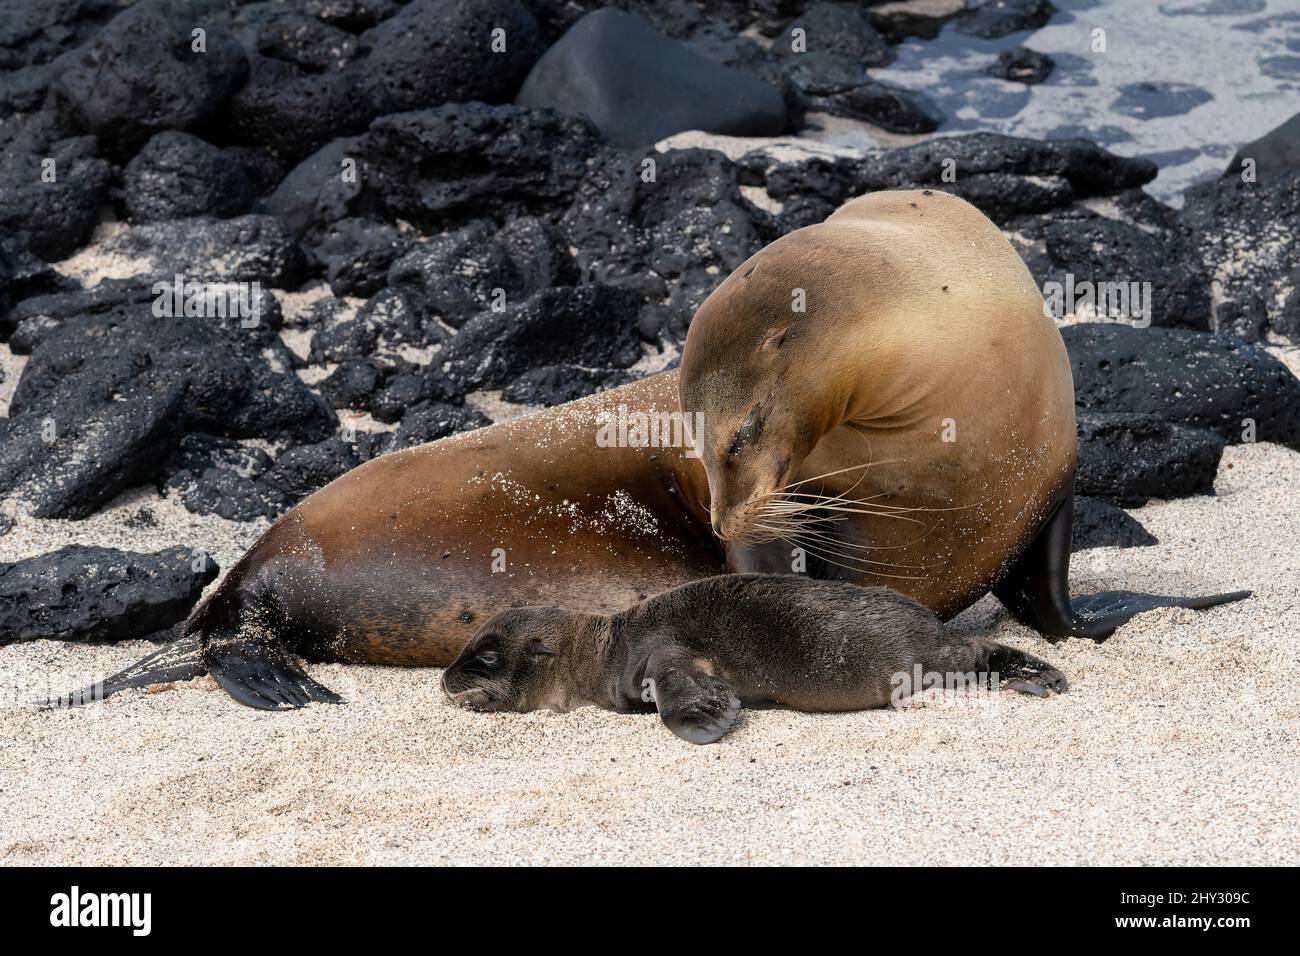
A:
(1182, 82)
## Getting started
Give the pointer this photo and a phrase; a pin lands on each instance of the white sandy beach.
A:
(1177, 743)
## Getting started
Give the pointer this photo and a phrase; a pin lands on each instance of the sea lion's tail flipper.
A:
(1036, 589)
(264, 675)
(693, 704)
(243, 651)
(181, 659)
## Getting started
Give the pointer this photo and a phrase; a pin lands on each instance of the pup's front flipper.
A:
(694, 704)
(262, 674)
(1023, 672)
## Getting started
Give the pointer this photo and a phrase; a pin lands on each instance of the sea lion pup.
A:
(699, 652)
(885, 392)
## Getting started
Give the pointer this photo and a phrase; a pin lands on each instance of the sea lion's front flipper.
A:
(262, 674)
(1037, 588)
(693, 703)
(181, 659)
(1023, 672)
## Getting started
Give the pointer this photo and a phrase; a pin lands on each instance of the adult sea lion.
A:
(886, 393)
(699, 652)
(825, 428)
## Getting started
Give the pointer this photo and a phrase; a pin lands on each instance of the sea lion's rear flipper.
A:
(694, 704)
(262, 674)
(1037, 588)
(181, 659)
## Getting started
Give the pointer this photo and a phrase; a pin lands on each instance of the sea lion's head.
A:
(509, 663)
(763, 380)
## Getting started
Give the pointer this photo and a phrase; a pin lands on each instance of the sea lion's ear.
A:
(538, 648)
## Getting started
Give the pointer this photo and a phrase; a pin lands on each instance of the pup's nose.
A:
(717, 527)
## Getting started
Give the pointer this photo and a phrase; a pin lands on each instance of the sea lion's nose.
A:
(717, 527)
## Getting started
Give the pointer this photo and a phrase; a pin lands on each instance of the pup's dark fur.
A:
(700, 651)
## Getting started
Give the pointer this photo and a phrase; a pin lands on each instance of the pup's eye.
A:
(489, 658)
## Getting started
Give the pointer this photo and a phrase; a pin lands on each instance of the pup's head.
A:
(509, 664)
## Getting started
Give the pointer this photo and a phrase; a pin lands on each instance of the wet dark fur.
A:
(701, 651)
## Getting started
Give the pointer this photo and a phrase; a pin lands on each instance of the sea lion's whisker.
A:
(840, 471)
(794, 531)
(869, 512)
(881, 574)
(823, 549)
(792, 495)
(798, 522)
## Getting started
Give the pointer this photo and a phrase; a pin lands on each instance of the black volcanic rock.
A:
(638, 86)
(1247, 235)
(896, 22)
(36, 32)
(293, 111)
(244, 249)
(396, 322)
(351, 384)
(722, 44)
(356, 254)
(407, 389)
(215, 475)
(141, 75)
(229, 385)
(351, 15)
(1127, 458)
(300, 471)
(32, 320)
(594, 321)
(25, 274)
(1101, 525)
(840, 28)
(671, 240)
(1107, 251)
(1204, 381)
(371, 332)
(177, 175)
(281, 32)
(79, 593)
(317, 192)
(429, 421)
(997, 18)
(556, 384)
(441, 51)
(1276, 154)
(457, 275)
(55, 206)
(25, 90)
(891, 107)
(70, 454)
(1022, 65)
(36, 318)
(1004, 176)
(438, 167)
